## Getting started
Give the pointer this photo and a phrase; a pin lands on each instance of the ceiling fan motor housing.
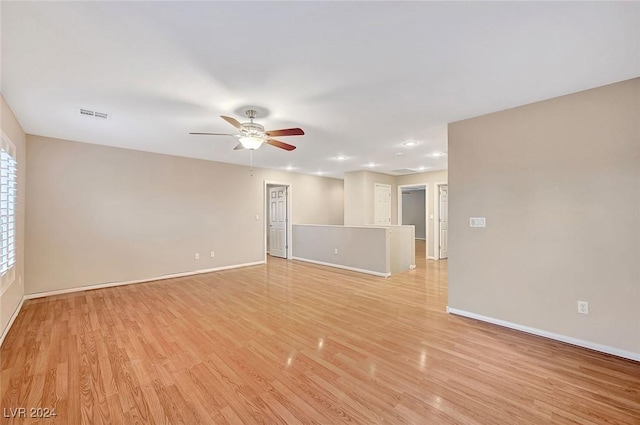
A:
(252, 129)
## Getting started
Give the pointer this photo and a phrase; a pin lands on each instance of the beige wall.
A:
(362, 248)
(359, 189)
(379, 250)
(559, 184)
(354, 198)
(370, 180)
(99, 214)
(12, 296)
(429, 180)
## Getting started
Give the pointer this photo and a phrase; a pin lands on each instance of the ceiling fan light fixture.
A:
(252, 135)
(251, 142)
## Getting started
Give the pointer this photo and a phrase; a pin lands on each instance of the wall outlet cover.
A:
(583, 307)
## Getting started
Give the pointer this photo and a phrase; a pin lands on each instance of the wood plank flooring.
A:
(294, 343)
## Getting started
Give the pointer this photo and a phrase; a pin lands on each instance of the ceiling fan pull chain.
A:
(251, 162)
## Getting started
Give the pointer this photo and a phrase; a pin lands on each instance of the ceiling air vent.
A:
(95, 114)
(403, 171)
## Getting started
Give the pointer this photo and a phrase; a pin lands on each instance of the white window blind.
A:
(8, 193)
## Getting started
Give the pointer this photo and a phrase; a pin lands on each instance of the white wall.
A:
(99, 214)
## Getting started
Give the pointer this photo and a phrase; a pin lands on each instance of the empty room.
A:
(319, 212)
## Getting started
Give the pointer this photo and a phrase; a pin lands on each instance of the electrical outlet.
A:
(213, 254)
(335, 251)
(197, 255)
(583, 307)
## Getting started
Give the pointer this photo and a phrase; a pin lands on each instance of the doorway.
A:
(441, 222)
(277, 232)
(413, 209)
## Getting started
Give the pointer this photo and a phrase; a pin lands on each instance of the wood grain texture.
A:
(295, 343)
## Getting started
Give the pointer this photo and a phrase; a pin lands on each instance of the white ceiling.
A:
(360, 78)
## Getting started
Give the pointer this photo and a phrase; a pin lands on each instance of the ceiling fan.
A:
(253, 135)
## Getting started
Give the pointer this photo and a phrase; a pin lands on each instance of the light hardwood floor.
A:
(294, 343)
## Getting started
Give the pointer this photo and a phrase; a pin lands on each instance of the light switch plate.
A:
(477, 222)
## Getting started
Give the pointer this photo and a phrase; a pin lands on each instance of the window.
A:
(8, 177)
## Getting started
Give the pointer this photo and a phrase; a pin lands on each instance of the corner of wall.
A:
(11, 298)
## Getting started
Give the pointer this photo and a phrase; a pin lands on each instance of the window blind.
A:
(8, 193)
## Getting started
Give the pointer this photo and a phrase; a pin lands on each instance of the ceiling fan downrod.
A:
(251, 114)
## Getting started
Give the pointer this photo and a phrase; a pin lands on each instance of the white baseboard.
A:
(563, 338)
(431, 257)
(340, 266)
(13, 318)
(130, 282)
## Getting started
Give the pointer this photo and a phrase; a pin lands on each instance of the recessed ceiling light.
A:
(341, 157)
(288, 168)
(437, 154)
(410, 143)
(422, 167)
(399, 153)
(371, 164)
(319, 173)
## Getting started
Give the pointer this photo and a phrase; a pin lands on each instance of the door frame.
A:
(265, 213)
(436, 218)
(426, 210)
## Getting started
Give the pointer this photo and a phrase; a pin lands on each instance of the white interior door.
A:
(444, 217)
(278, 221)
(382, 209)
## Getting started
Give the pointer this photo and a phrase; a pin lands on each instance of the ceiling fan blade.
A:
(238, 147)
(213, 134)
(285, 132)
(279, 144)
(234, 122)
